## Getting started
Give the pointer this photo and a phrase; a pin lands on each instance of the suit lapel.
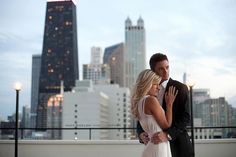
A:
(167, 87)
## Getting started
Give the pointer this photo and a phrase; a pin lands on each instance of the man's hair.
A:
(157, 57)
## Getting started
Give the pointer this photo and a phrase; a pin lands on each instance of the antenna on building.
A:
(62, 87)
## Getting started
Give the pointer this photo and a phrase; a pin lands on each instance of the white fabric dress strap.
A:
(143, 102)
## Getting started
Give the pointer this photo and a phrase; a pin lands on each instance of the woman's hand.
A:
(170, 96)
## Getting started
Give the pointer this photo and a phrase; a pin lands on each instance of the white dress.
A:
(150, 126)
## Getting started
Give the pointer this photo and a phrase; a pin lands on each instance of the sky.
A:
(198, 36)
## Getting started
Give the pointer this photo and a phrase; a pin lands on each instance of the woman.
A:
(146, 108)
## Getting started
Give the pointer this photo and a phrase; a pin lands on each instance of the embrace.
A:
(160, 104)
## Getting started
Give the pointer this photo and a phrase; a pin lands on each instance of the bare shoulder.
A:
(151, 99)
(151, 102)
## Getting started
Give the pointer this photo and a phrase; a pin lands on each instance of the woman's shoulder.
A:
(151, 104)
(151, 100)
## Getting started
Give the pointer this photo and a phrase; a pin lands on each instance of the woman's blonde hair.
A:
(143, 84)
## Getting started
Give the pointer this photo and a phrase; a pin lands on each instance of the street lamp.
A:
(191, 84)
(17, 88)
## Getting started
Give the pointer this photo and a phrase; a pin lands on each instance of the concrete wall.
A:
(109, 148)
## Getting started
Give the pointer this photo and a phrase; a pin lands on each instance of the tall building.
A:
(96, 55)
(185, 78)
(199, 96)
(135, 51)
(214, 113)
(36, 64)
(96, 71)
(60, 54)
(113, 56)
(25, 121)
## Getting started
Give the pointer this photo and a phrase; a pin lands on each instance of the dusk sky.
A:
(199, 37)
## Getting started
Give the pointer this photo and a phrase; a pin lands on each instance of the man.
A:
(177, 134)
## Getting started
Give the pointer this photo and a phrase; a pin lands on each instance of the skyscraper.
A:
(60, 54)
(96, 55)
(36, 63)
(113, 56)
(96, 71)
(135, 51)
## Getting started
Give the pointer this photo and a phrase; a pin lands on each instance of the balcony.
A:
(106, 148)
(214, 144)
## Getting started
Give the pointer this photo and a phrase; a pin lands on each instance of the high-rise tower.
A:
(135, 51)
(113, 56)
(96, 71)
(36, 63)
(60, 54)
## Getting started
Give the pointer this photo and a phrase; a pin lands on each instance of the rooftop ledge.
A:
(88, 142)
(106, 148)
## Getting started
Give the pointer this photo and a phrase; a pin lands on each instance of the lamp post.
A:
(192, 129)
(191, 84)
(17, 88)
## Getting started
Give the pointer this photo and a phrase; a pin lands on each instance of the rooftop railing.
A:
(211, 132)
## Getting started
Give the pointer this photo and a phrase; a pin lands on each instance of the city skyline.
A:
(197, 36)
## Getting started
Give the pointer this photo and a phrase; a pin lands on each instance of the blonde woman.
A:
(147, 109)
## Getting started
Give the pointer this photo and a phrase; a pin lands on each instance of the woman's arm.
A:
(153, 107)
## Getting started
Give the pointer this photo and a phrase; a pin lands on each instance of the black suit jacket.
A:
(180, 144)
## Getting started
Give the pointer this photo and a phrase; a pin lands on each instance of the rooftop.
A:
(106, 148)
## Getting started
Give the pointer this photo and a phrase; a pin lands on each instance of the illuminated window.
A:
(68, 23)
(49, 17)
(50, 70)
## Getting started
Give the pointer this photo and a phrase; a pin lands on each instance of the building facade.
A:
(54, 116)
(135, 51)
(215, 113)
(119, 110)
(84, 108)
(96, 71)
(91, 106)
(114, 56)
(96, 55)
(60, 54)
(36, 64)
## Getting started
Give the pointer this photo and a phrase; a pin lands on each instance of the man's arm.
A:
(142, 135)
(139, 129)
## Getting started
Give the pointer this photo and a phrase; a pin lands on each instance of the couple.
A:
(156, 98)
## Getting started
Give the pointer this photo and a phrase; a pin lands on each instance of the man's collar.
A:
(164, 83)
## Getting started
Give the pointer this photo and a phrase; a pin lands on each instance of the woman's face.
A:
(153, 90)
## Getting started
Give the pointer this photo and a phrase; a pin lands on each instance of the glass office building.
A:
(59, 60)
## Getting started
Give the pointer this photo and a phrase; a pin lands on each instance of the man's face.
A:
(162, 69)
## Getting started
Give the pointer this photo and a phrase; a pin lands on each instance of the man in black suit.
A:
(177, 134)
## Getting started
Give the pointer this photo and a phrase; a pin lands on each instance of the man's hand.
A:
(144, 138)
(159, 137)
